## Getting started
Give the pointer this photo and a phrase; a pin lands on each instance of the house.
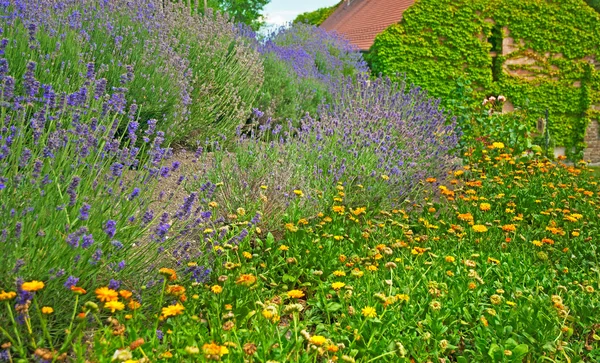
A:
(360, 21)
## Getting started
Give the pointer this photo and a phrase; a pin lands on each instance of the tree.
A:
(242, 11)
(594, 3)
(315, 17)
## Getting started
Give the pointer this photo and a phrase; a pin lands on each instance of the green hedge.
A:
(439, 42)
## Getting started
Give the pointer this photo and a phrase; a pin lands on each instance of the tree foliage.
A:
(242, 11)
(316, 17)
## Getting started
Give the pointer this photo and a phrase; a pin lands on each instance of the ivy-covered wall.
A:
(538, 53)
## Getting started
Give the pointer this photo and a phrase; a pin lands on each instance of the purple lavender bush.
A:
(302, 65)
(378, 139)
(79, 202)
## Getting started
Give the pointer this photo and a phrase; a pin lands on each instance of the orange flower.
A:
(78, 290)
(169, 273)
(246, 280)
(175, 290)
(295, 294)
(105, 294)
(125, 294)
(134, 305)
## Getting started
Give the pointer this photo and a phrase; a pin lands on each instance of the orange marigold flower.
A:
(467, 217)
(105, 294)
(78, 290)
(32, 286)
(169, 273)
(509, 228)
(47, 310)
(175, 290)
(134, 305)
(125, 294)
(485, 207)
(246, 280)
(431, 180)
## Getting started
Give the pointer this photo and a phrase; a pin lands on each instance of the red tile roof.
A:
(361, 20)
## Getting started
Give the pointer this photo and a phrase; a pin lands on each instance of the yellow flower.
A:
(291, 227)
(7, 295)
(358, 211)
(191, 350)
(385, 177)
(467, 217)
(449, 259)
(369, 312)
(338, 209)
(47, 310)
(498, 145)
(339, 273)
(295, 294)
(213, 204)
(246, 280)
(479, 228)
(172, 310)
(114, 305)
(175, 290)
(485, 207)
(283, 248)
(213, 349)
(337, 285)
(216, 289)
(318, 340)
(105, 294)
(247, 255)
(32, 286)
(299, 193)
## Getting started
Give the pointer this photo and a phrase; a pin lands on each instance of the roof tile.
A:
(361, 20)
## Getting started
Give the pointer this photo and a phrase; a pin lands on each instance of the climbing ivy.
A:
(553, 64)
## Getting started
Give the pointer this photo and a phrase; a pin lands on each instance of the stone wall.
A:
(526, 64)
(592, 139)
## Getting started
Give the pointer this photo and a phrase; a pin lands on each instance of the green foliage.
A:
(315, 17)
(439, 42)
(594, 4)
(248, 12)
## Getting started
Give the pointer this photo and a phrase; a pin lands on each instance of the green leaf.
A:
(333, 307)
(288, 278)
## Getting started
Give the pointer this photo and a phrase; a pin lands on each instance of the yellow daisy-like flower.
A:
(32, 286)
(47, 310)
(213, 349)
(216, 289)
(105, 294)
(246, 280)
(167, 272)
(498, 145)
(369, 312)
(295, 294)
(172, 310)
(337, 285)
(479, 228)
(7, 295)
(449, 259)
(247, 255)
(283, 248)
(318, 340)
(134, 305)
(299, 193)
(114, 305)
(339, 273)
(485, 207)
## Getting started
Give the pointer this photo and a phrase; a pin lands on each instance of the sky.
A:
(280, 12)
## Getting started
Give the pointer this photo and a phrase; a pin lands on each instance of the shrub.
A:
(303, 64)
(376, 135)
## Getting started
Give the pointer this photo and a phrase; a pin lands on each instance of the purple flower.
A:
(87, 241)
(71, 281)
(134, 193)
(110, 228)
(114, 284)
(84, 212)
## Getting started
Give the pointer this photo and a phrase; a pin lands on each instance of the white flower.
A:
(501, 98)
(492, 99)
(485, 101)
(122, 355)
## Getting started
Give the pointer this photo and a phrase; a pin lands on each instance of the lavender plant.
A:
(379, 137)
